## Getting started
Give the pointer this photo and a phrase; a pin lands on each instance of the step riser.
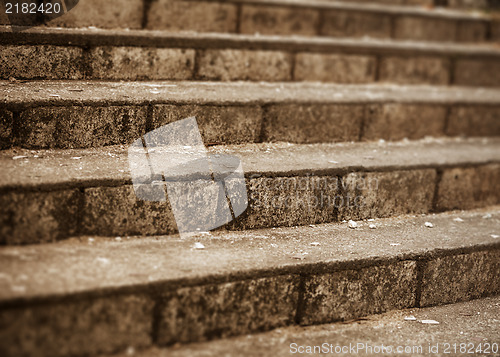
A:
(164, 315)
(88, 126)
(344, 66)
(36, 217)
(332, 20)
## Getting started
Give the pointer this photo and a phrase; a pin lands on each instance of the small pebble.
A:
(430, 322)
(352, 224)
(458, 219)
(372, 226)
(198, 245)
(118, 239)
(429, 224)
(19, 157)
(487, 216)
(315, 244)
(495, 236)
(410, 318)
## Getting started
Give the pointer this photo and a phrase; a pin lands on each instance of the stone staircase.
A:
(368, 133)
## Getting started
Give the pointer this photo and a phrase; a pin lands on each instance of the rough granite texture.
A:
(467, 188)
(471, 72)
(472, 319)
(415, 70)
(38, 216)
(200, 16)
(462, 277)
(117, 211)
(385, 194)
(230, 65)
(268, 20)
(214, 311)
(81, 126)
(138, 63)
(352, 293)
(334, 68)
(352, 24)
(472, 31)
(426, 29)
(399, 121)
(6, 134)
(474, 121)
(217, 124)
(81, 327)
(42, 61)
(289, 201)
(103, 14)
(305, 123)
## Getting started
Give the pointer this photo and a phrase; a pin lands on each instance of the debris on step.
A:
(372, 226)
(315, 244)
(487, 216)
(352, 224)
(198, 245)
(495, 236)
(410, 318)
(458, 219)
(429, 224)
(19, 157)
(430, 322)
(395, 244)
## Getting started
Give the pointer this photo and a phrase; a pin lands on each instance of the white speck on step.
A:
(428, 224)
(352, 224)
(458, 219)
(198, 245)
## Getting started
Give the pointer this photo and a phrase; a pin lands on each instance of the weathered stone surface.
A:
(495, 30)
(217, 124)
(349, 294)
(227, 65)
(424, 29)
(471, 72)
(104, 14)
(460, 278)
(474, 121)
(40, 62)
(80, 127)
(118, 211)
(472, 31)
(82, 327)
(5, 129)
(305, 123)
(198, 16)
(278, 21)
(415, 70)
(334, 68)
(398, 121)
(205, 312)
(34, 217)
(385, 194)
(290, 201)
(467, 188)
(133, 63)
(355, 24)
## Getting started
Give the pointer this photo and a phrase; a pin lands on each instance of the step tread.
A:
(414, 10)
(470, 323)
(53, 169)
(155, 38)
(58, 93)
(77, 266)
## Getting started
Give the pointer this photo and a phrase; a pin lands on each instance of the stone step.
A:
(461, 327)
(84, 297)
(282, 17)
(78, 114)
(56, 194)
(155, 55)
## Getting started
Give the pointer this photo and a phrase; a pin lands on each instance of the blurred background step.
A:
(149, 55)
(51, 195)
(79, 114)
(285, 17)
(387, 333)
(89, 296)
